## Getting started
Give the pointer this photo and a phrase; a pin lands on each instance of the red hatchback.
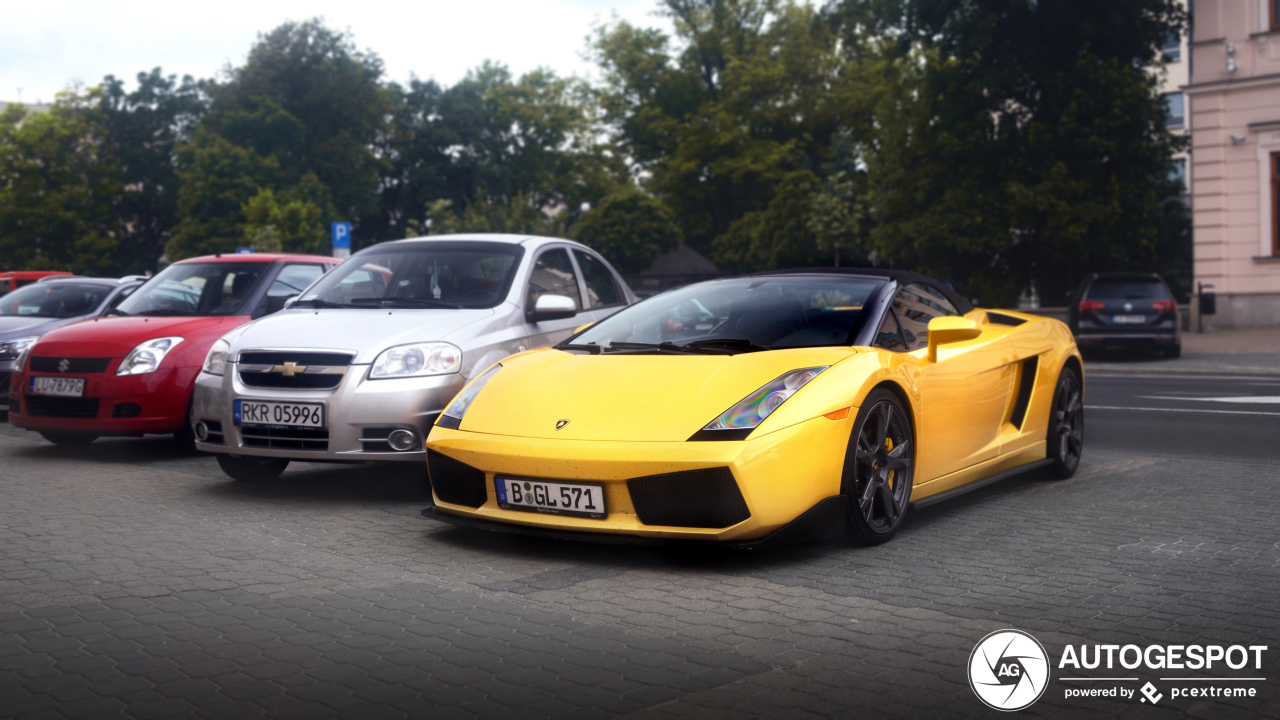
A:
(133, 373)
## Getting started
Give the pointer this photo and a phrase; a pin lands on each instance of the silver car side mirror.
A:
(552, 307)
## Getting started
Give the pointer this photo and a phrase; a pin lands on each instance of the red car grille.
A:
(62, 407)
(79, 366)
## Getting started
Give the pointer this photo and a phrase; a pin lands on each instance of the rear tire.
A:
(251, 469)
(67, 439)
(878, 468)
(1066, 425)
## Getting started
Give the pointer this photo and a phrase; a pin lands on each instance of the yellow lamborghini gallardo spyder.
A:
(783, 406)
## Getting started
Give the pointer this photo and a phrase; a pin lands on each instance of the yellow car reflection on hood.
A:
(777, 407)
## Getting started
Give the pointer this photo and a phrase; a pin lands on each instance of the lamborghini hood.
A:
(637, 398)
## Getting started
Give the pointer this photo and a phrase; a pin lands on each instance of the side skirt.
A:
(970, 487)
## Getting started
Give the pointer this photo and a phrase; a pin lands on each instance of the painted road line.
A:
(1244, 399)
(1182, 410)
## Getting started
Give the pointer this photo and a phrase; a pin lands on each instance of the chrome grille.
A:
(294, 369)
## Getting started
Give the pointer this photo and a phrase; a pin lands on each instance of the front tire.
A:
(251, 469)
(878, 468)
(1066, 425)
(67, 439)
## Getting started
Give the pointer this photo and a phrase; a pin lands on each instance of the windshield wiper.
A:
(591, 348)
(739, 344)
(318, 303)
(164, 313)
(423, 302)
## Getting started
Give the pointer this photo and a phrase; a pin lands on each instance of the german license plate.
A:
(551, 498)
(1128, 319)
(285, 414)
(59, 386)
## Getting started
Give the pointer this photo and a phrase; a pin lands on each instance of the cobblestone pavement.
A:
(137, 581)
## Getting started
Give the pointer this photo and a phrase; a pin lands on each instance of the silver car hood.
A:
(16, 326)
(364, 332)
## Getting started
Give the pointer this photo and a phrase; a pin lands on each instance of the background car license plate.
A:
(1128, 319)
(551, 498)
(60, 386)
(266, 412)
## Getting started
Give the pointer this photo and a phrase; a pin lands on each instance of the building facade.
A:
(1233, 99)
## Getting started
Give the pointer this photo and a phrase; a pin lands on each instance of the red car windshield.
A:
(196, 289)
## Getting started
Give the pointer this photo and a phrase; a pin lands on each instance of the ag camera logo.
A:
(1008, 670)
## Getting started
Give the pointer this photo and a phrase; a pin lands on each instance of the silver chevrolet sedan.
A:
(361, 363)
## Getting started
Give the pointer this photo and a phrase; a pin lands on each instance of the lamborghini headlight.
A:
(433, 358)
(146, 357)
(754, 408)
(11, 349)
(215, 363)
(452, 416)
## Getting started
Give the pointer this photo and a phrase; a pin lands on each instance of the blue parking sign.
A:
(342, 240)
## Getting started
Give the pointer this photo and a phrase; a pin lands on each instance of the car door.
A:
(552, 273)
(964, 395)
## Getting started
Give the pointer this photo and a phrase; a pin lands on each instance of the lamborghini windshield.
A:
(420, 275)
(738, 315)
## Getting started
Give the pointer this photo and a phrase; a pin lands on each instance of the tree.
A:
(289, 226)
(218, 179)
(142, 129)
(629, 227)
(734, 110)
(1025, 144)
(57, 183)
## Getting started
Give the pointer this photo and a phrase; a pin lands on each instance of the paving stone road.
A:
(137, 581)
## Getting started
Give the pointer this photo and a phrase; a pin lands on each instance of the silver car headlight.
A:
(146, 357)
(417, 359)
(754, 408)
(12, 349)
(452, 415)
(21, 362)
(215, 363)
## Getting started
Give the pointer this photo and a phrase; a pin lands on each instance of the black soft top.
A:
(902, 277)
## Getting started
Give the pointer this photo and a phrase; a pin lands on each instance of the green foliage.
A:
(630, 228)
(218, 178)
(288, 226)
(724, 114)
(142, 128)
(1024, 144)
(56, 188)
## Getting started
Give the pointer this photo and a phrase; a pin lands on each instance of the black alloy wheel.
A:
(1066, 425)
(878, 468)
(67, 439)
(251, 469)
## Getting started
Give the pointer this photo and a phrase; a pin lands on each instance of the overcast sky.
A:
(46, 44)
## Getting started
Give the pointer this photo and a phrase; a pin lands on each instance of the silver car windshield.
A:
(738, 315)
(54, 299)
(427, 274)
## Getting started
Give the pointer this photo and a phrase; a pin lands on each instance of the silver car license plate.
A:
(551, 498)
(56, 386)
(286, 414)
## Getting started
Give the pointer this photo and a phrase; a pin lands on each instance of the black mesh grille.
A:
(284, 438)
(301, 358)
(694, 498)
(456, 482)
(126, 410)
(304, 381)
(374, 439)
(62, 407)
(74, 365)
